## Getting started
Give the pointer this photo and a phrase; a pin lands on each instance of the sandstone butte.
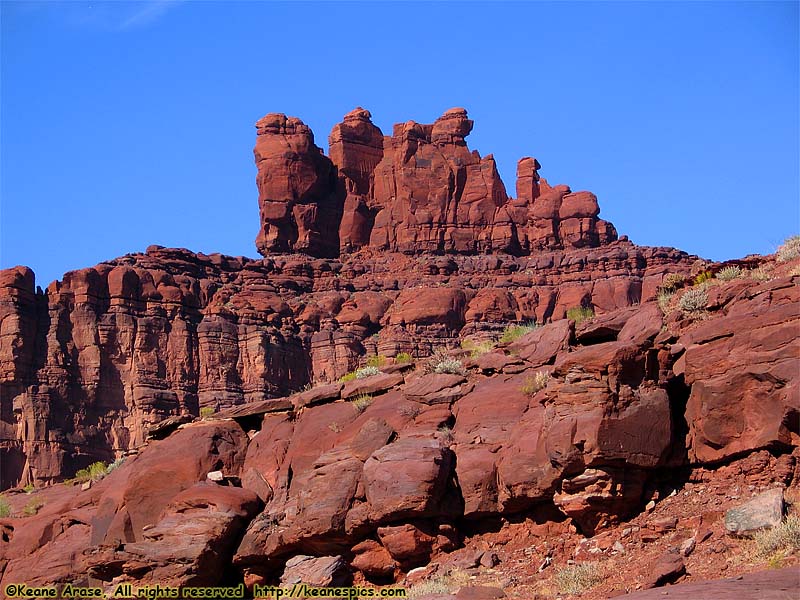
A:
(617, 440)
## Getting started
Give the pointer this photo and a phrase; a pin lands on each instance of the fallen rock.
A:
(762, 512)
(668, 568)
(323, 571)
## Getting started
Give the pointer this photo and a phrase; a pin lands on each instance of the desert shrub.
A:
(361, 402)
(449, 365)
(477, 349)
(32, 507)
(440, 584)
(115, 465)
(784, 538)
(693, 300)
(790, 249)
(365, 372)
(759, 274)
(206, 412)
(579, 314)
(376, 361)
(403, 358)
(664, 300)
(5, 508)
(729, 273)
(28, 489)
(513, 332)
(671, 282)
(534, 383)
(349, 377)
(578, 578)
(702, 277)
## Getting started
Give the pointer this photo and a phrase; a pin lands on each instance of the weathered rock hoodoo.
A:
(393, 245)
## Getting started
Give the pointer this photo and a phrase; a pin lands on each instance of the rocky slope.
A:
(405, 251)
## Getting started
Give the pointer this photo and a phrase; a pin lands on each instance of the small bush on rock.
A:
(32, 507)
(206, 412)
(578, 578)
(703, 277)
(365, 372)
(477, 349)
(729, 273)
(784, 538)
(693, 300)
(671, 282)
(361, 402)
(5, 508)
(579, 314)
(513, 332)
(403, 358)
(790, 249)
(535, 383)
(449, 365)
(664, 300)
(376, 361)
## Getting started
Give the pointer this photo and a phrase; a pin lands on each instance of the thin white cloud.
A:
(148, 13)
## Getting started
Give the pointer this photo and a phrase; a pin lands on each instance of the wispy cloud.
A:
(148, 12)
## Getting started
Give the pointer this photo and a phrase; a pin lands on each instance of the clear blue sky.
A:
(129, 124)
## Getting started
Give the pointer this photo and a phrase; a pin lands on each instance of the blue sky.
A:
(129, 124)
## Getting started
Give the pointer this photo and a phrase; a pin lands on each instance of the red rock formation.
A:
(300, 209)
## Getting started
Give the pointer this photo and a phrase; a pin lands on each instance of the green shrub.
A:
(579, 314)
(349, 377)
(32, 507)
(376, 361)
(477, 349)
(534, 383)
(5, 508)
(403, 358)
(206, 412)
(703, 277)
(671, 282)
(578, 578)
(693, 300)
(760, 274)
(361, 402)
(790, 249)
(449, 365)
(28, 489)
(513, 332)
(729, 273)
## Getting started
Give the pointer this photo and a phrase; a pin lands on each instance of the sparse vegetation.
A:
(206, 412)
(781, 540)
(361, 402)
(579, 314)
(790, 249)
(376, 361)
(729, 273)
(94, 472)
(578, 578)
(440, 584)
(335, 427)
(693, 300)
(33, 506)
(5, 508)
(703, 277)
(449, 365)
(760, 274)
(534, 383)
(403, 358)
(477, 349)
(361, 373)
(664, 300)
(671, 282)
(28, 489)
(447, 433)
(513, 332)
